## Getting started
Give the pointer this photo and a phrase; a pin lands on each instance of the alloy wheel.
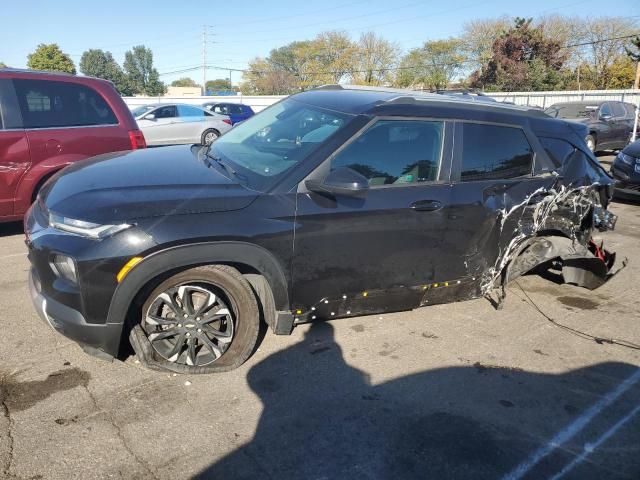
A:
(190, 324)
(209, 138)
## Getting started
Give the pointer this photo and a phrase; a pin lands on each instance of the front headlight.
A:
(628, 159)
(85, 229)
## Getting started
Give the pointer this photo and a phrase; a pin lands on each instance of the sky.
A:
(241, 30)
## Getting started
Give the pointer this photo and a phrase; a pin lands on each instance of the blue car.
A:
(237, 112)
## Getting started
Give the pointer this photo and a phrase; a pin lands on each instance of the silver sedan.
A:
(177, 123)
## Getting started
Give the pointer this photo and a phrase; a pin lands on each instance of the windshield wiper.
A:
(221, 163)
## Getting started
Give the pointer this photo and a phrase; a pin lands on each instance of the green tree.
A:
(3, 65)
(634, 49)
(219, 84)
(144, 78)
(49, 57)
(101, 64)
(433, 66)
(184, 82)
(522, 59)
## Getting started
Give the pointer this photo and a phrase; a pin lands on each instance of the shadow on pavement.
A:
(12, 228)
(323, 419)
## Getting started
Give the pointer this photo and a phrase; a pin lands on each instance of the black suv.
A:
(332, 203)
(609, 123)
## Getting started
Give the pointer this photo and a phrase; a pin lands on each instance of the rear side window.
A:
(45, 103)
(187, 111)
(236, 109)
(494, 152)
(631, 110)
(395, 152)
(558, 150)
(221, 109)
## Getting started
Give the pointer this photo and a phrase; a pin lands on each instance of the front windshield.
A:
(270, 143)
(572, 110)
(141, 110)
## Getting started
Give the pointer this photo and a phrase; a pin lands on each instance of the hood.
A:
(579, 120)
(143, 183)
(633, 149)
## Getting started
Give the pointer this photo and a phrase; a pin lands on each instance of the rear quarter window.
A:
(494, 152)
(46, 104)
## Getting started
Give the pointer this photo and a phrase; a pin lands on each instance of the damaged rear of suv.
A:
(332, 203)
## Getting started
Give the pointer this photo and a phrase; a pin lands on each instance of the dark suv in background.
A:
(331, 203)
(49, 120)
(609, 123)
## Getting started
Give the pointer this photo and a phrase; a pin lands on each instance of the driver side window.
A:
(605, 110)
(165, 112)
(393, 152)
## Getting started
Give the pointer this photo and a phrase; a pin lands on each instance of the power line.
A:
(379, 70)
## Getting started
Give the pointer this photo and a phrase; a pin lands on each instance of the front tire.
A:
(590, 140)
(201, 320)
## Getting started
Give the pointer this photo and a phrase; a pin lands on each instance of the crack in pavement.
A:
(6, 468)
(121, 437)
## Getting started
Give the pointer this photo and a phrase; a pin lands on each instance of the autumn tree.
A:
(433, 66)
(522, 59)
(101, 64)
(144, 78)
(375, 60)
(478, 37)
(49, 57)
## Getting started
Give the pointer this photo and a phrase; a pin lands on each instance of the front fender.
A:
(184, 256)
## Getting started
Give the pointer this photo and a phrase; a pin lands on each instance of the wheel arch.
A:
(247, 257)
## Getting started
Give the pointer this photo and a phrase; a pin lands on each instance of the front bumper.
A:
(100, 340)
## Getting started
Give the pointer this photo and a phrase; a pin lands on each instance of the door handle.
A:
(426, 205)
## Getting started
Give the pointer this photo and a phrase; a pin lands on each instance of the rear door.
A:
(493, 196)
(191, 124)
(15, 158)
(621, 125)
(377, 253)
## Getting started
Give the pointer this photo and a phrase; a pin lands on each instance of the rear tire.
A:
(209, 136)
(201, 320)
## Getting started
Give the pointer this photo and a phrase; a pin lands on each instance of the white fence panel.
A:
(533, 99)
(546, 99)
(259, 102)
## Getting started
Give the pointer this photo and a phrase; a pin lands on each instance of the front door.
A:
(380, 252)
(160, 128)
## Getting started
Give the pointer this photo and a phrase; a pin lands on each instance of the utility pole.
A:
(637, 81)
(204, 59)
(205, 40)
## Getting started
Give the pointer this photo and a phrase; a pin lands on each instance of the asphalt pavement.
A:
(547, 387)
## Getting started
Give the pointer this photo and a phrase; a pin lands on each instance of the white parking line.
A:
(573, 429)
(590, 447)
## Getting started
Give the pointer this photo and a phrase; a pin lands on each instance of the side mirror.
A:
(342, 181)
(151, 116)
